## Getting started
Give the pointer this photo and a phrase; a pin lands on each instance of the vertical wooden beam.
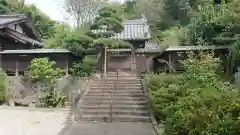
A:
(67, 67)
(16, 70)
(105, 61)
(146, 64)
(170, 62)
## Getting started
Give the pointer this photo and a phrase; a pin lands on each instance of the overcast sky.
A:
(53, 8)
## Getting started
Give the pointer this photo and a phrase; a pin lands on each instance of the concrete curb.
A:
(36, 109)
(158, 129)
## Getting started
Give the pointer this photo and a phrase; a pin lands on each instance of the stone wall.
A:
(24, 91)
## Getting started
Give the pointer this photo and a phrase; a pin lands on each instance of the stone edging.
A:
(157, 128)
(35, 109)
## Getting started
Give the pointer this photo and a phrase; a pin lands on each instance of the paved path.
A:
(15, 121)
(120, 128)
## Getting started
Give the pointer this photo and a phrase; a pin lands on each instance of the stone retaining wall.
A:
(24, 91)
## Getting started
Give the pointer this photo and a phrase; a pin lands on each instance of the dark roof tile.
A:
(9, 19)
(34, 51)
(133, 30)
(23, 37)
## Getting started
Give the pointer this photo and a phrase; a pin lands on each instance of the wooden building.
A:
(169, 60)
(135, 32)
(148, 57)
(20, 43)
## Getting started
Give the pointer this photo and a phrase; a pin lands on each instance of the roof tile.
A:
(8, 19)
(133, 30)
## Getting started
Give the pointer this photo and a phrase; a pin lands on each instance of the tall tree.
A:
(108, 23)
(83, 10)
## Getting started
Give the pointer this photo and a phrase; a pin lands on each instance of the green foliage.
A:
(3, 88)
(57, 41)
(196, 102)
(173, 37)
(84, 68)
(108, 17)
(110, 43)
(42, 70)
(54, 99)
(4, 7)
(78, 43)
(40, 21)
(43, 74)
(108, 23)
(213, 26)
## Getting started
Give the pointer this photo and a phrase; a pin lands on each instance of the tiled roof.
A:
(23, 37)
(34, 51)
(192, 48)
(10, 19)
(149, 48)
(133, 30)
(154, 48)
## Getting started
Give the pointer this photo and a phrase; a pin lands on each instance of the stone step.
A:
(110, 81)
(117, 118)
(118, 84)
(116, 92)
(117, 88)
(106, 94)
(114, 112)
(114, 102)
(116, 106)
(114, 98)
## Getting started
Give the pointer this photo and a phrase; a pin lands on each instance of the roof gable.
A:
(21, 20)
(6, 20)
(133, 30)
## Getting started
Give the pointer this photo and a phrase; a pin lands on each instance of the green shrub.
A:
(84, 68)
(54, 99)
(3, 89)
(162, 92)
(196, 102)
(44, 75)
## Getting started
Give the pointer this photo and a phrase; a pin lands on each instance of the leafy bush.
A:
(54, 99)
(84, 69)
(3, 89)
(44, 75)
(41, 70)
(81, 69)
(196, 102)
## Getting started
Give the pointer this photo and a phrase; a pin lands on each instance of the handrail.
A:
(111, 96)
(111, 117)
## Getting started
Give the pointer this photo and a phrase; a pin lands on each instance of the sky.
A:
(53, 8)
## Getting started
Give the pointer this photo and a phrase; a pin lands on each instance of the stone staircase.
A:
(105, 101)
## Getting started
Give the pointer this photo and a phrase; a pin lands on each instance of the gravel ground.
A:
(15, 121)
